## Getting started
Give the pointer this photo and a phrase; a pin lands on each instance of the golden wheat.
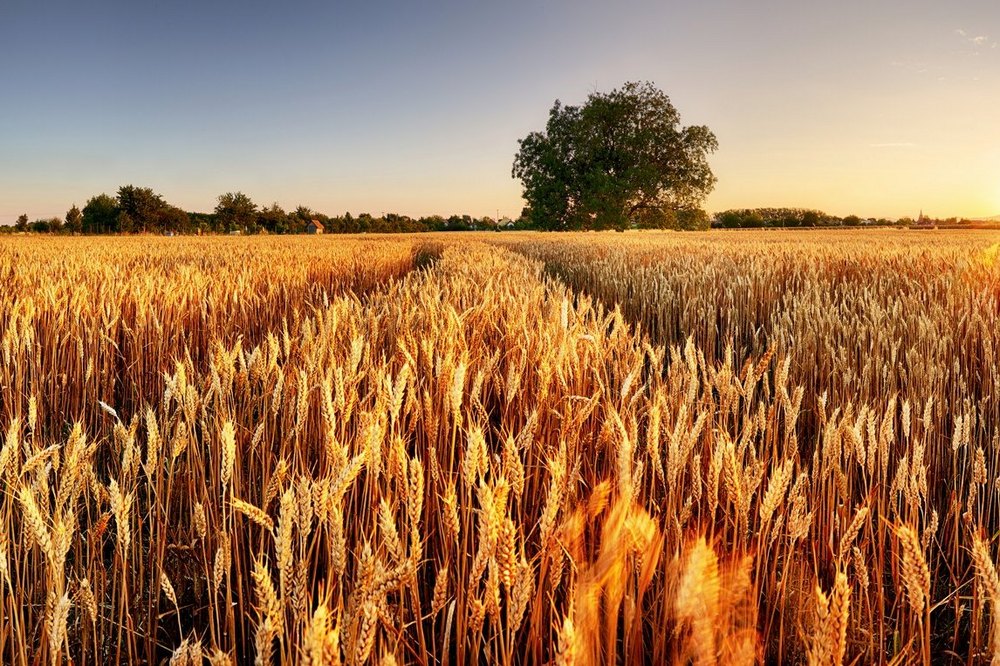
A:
(633, 448)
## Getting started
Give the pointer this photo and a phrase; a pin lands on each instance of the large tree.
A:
(140, 209)
(100, 215)
(235, 211)
(622, 158)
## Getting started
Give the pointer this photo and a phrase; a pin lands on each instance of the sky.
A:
(879, 108)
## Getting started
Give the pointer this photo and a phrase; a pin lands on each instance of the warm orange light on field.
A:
(988, 258)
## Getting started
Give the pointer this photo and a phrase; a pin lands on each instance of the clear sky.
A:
(878, 107)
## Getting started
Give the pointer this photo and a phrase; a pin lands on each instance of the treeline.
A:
(141, 210)
(804, 217)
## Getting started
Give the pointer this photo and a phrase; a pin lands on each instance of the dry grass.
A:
(746, 448)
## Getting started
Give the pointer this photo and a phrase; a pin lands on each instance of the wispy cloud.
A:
(893, 144)
(910, 65)
(978, 41)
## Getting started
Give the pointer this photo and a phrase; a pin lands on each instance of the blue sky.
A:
(878, 107)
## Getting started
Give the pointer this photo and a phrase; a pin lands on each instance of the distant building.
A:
(314, 227)
(924, 222)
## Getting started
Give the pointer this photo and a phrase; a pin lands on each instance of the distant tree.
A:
(342, 224)
(235, 211)
(772, 217)
(811, 218)
(433, 222)
(364, 222)
(612, 160)
(47, 225)
(22, 222)
(728, 219)
(782, 217)
(396, 223)
(100, 215)
(851, 221)
(74, 220)
(273, 220)
(458, 223)
(692, 219)
(202, 222)
(139, 208)
(172, 219)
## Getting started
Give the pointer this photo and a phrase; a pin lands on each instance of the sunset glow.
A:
(568, 332)
(875, 108)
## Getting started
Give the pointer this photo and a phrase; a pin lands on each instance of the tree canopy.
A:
(139, 208)
(100, 215)
(74, 220)
(621, 159)
(786, 217)
(142, 210)
(135, 209)
(236, 211)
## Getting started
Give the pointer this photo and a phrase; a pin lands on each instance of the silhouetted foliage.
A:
(621, 159)
(235, 211)
(774, 217)
(100, 215)
(273, 220)
(74, 220)
(141, 210)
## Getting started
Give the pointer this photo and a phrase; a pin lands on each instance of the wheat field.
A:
(704, 448)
